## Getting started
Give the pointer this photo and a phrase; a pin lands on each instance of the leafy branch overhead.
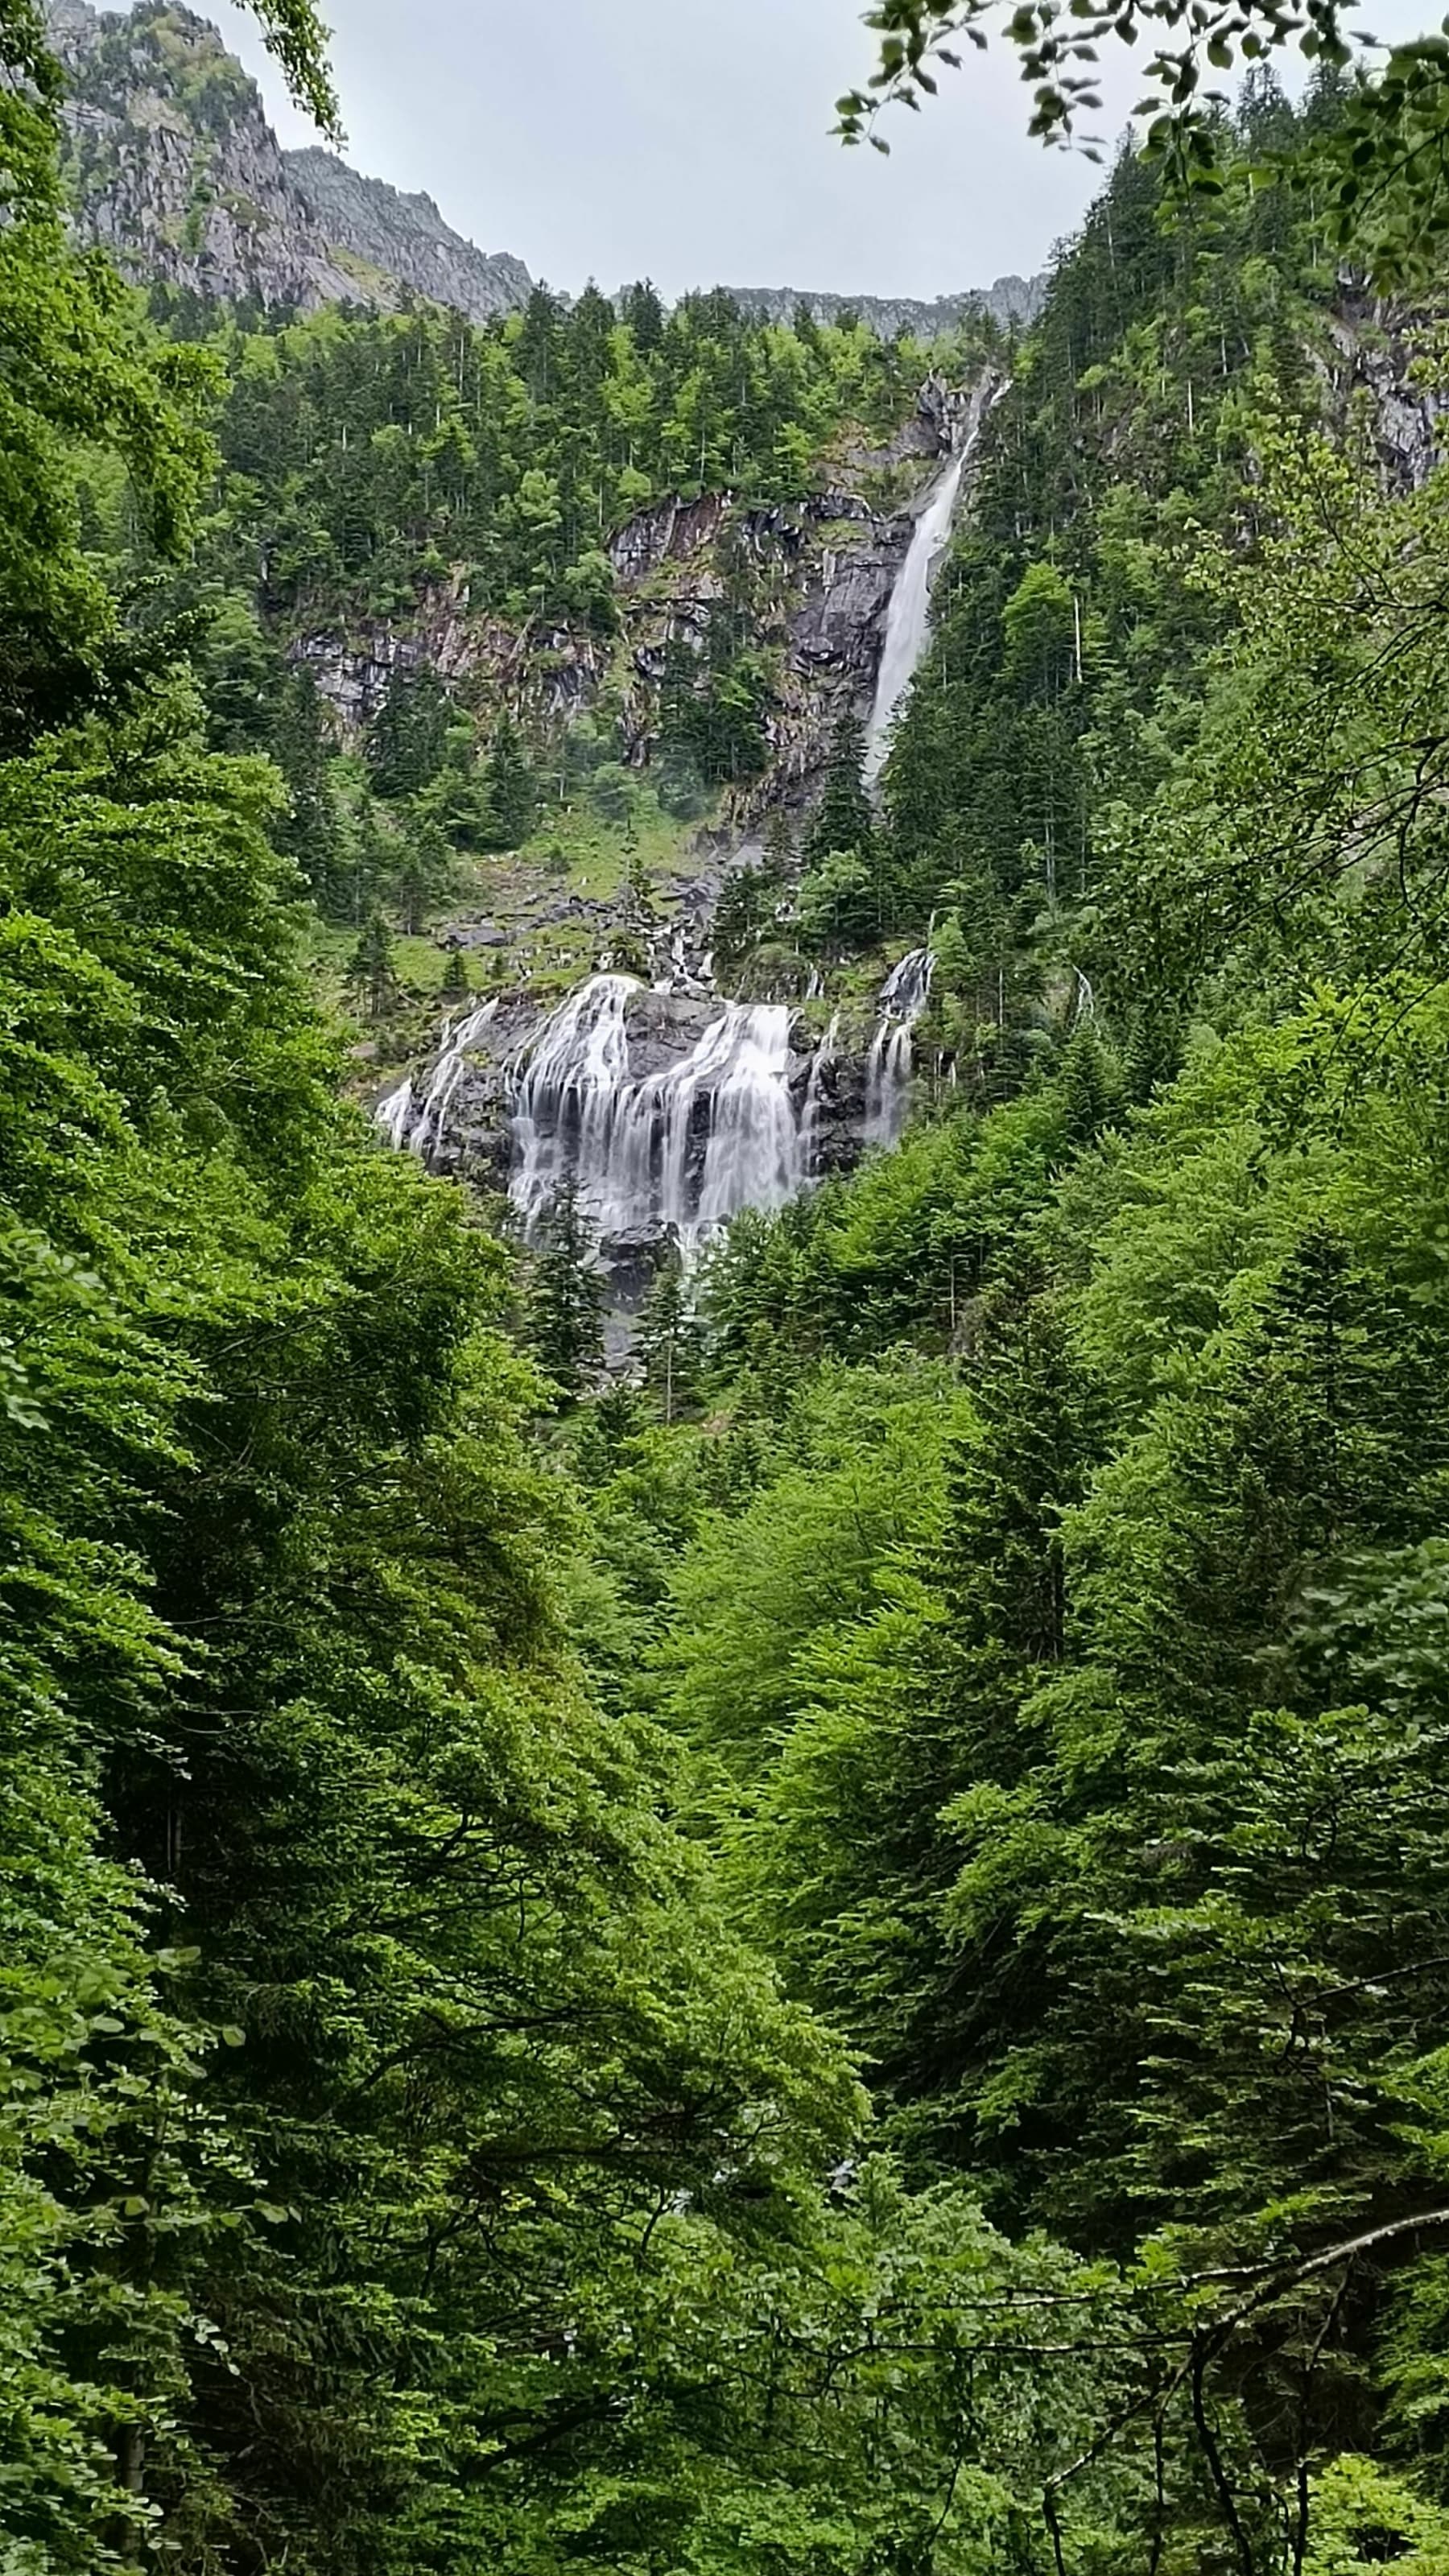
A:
(1383, 173)
(297, 37)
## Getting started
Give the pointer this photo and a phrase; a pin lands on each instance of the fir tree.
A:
(408, 738)
(511, 788)
(644, 317)
(566, 1297)
(670, 1340)
(425, 874)
(372, 975)
(310, 832)
(843, 823)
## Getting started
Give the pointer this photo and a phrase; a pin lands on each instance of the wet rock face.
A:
(840, 1114)
(841, 622)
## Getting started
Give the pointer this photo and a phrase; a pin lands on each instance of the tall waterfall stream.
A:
(908, 625)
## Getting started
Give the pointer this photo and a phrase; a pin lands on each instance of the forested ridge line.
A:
(835, 1960)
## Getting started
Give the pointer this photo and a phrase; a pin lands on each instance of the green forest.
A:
(829, 1955)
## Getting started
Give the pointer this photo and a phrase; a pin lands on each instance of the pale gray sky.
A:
(688, 140)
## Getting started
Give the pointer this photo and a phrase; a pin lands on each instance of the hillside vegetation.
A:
(835, 1962)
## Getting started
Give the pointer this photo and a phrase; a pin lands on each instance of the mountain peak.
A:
(175, 169)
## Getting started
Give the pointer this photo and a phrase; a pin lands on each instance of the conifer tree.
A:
(372, 975)
(843, 822)
(644, 316)
(455, 974)
(670, 1340)
(425, 873)
(566, 1296)
(310, 831)
(511, 787)
(408, 738)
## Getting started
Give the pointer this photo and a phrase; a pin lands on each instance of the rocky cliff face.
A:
(404, 238)
(821, 574)
(1373, 346)
(175, 170)
(826, 568)
(1012, 300)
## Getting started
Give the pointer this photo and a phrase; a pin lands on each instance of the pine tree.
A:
(644, 316)
(310, 831)
(670, 1341)
(740, 916)
(566, 1300)
(843, 821)
(781, 852)
(511, 786)
(1091, 1085)
(425, 874)
(408, 737)
(455, 974)
(1001, 1564)
(372, 975)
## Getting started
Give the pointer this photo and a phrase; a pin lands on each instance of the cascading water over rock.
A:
(678, 1151)
(667, 1123)
(892, 1054)
(419, 1124)
(908, 625)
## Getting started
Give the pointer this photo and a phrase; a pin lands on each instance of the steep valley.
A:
(724, 1337)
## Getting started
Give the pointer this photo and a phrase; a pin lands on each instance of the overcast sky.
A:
(688, 140)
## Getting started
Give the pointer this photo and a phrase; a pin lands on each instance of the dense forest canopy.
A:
(829, 1957)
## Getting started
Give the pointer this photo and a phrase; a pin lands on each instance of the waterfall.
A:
(403, 1118)
(668, 1122)
(908, 625)
(888, 1079)
(825, 1055)
(447, 1075)
(567, 1094)
(754, 1156)
(395, 1114)
(682, 1150)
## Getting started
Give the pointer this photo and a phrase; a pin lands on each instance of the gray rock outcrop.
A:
(1011, 301)
(1374, 345)
(404, 238)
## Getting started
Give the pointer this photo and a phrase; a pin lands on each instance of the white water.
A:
(726, 1127)
(418, 1123)
(892, 1056)
(908, 625)
(685, 1149)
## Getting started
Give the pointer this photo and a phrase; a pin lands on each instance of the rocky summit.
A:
(175, 170)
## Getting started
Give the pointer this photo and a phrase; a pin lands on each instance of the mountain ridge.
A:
(176, 171)
(1011, 301)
